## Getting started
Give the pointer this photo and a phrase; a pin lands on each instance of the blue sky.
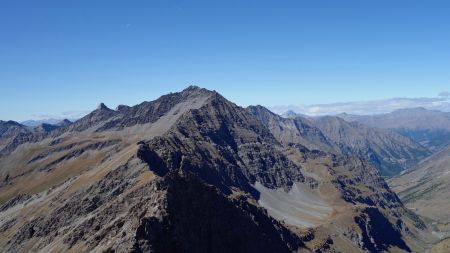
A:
(64, 57)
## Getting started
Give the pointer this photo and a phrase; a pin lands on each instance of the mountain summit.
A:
(102, 106)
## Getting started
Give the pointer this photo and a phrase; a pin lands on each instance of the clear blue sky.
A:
(59, 56)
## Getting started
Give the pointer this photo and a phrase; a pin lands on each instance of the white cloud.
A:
(62, 115)
(75, 114)
(369, 107)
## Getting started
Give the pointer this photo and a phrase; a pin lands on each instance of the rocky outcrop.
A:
(198, 219)
(225, 146)
(377, 233)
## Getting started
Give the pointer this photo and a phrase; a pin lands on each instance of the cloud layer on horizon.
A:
(63, 115)
(441, 102)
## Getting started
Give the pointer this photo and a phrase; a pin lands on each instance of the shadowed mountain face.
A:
(226, 146)
(429, 127)
(389, 151)
(193, 172)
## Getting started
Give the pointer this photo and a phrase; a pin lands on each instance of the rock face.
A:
(295, 130)
(389, 151)
(378, 234)
(225, 145)
(185, 173)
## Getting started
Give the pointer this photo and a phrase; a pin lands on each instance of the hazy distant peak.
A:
(64, 122)
(10, 123)
(422, 109)
(290, 114)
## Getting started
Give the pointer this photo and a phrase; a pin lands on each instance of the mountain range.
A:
(50, 121)
(389, 151)
(194, 172)
(431, 128)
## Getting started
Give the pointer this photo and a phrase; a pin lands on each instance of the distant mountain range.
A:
(389, 151)
(14, 134)
(33, 123)
(194, 172)
(431, 128)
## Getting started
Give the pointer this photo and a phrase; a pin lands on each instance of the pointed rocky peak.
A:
(94, 119)
(102, 107)
(422, 109)
(195, 90)
(64, 122)
(192, 88)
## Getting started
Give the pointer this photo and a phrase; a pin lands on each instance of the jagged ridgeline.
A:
(193, 172)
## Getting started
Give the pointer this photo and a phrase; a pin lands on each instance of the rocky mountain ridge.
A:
(193, 172)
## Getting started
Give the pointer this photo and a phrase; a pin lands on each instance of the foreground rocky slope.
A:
(193, 172)
(388, 151)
